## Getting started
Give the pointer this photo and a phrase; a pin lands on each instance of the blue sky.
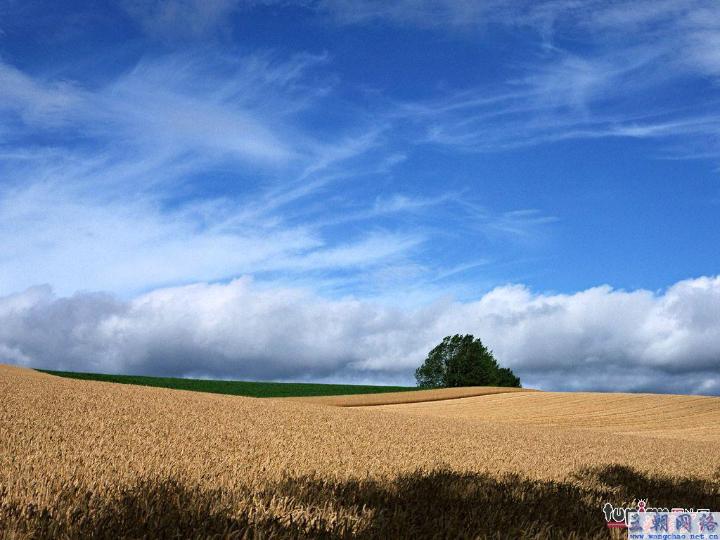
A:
(394, 155)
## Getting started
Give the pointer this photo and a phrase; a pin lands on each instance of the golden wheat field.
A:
(396, 398)
(91, 459)
(671, 416)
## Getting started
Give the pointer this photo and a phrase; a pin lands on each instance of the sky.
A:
(322, 190)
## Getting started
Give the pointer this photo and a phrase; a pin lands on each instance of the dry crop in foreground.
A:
(97, 459)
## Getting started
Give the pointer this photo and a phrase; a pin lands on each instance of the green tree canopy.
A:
(463, 361)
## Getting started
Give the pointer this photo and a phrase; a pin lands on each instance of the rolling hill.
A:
(78, 457)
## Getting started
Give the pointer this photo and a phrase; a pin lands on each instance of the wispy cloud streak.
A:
(628, 50)
(117, 200)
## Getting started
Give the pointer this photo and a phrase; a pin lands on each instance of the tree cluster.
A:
(463, 361)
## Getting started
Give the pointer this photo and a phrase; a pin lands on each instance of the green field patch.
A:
(235, 388)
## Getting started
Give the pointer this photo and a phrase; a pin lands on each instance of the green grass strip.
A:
(235, 388)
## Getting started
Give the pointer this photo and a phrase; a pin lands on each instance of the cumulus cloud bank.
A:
(597, 339)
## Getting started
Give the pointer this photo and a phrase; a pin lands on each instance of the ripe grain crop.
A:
(82, 458)
(670, 416)
(391, 398)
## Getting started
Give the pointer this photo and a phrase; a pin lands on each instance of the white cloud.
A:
(128, 245)
(118, 202)
(629, 49)
(182, 105)
(36, 102)
(565, 96)
(424, 13)
(122, 199)
(600, 338)
(181, 18)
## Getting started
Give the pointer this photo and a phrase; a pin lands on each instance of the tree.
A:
(463, 361)
(507, 378)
